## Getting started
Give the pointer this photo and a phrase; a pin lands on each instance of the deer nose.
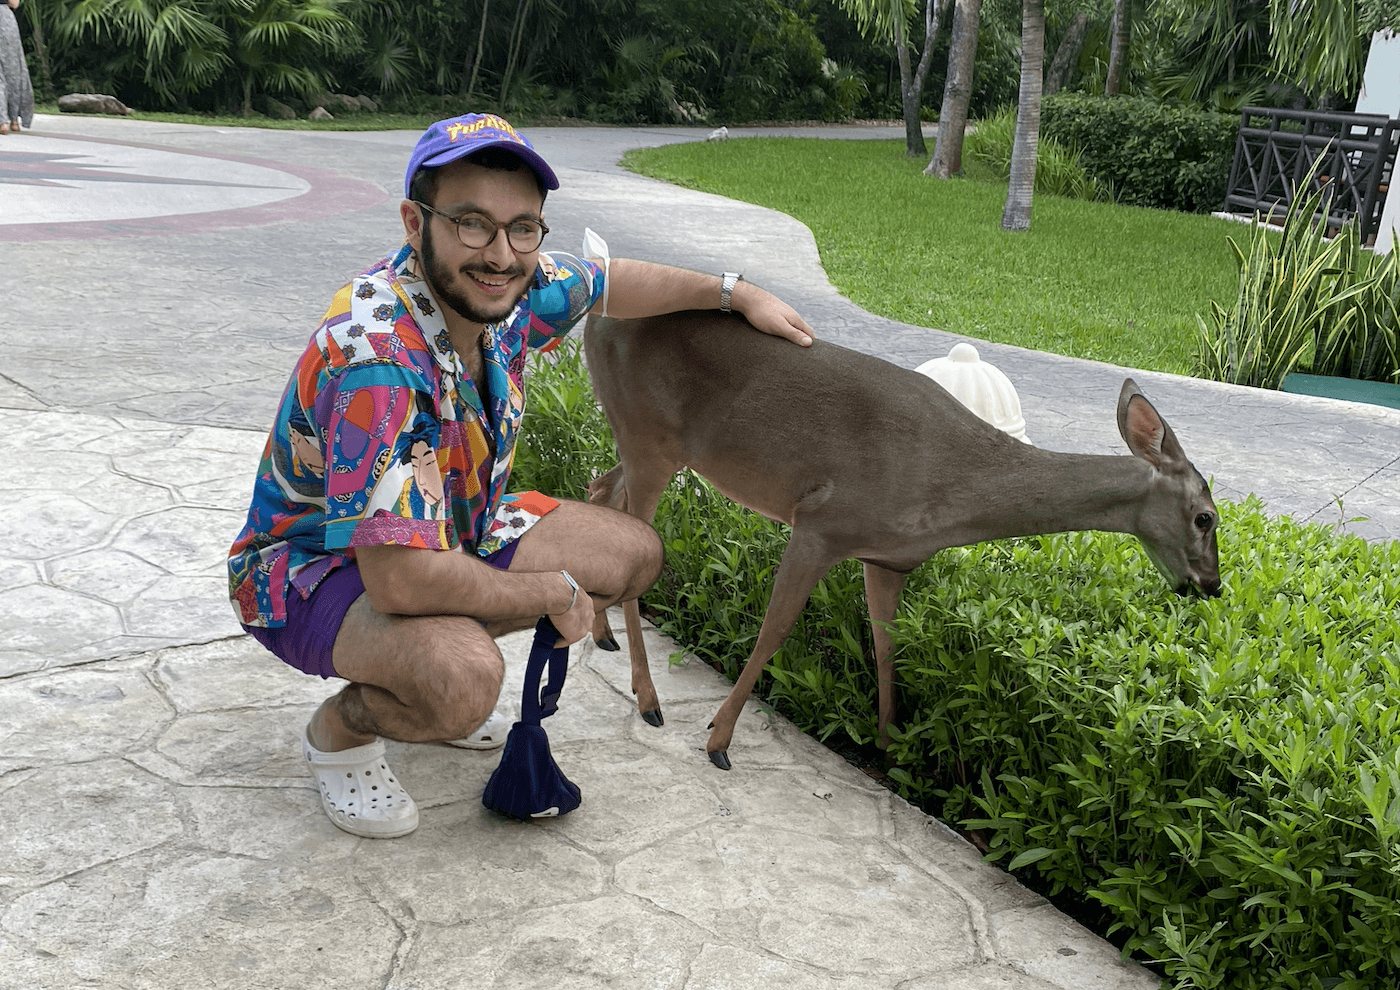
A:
(1203, 589)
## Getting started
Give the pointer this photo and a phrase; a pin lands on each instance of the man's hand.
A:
(770, 314)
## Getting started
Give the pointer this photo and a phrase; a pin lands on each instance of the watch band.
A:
(727, 281)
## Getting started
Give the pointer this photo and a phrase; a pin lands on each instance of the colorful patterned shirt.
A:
(381, 437)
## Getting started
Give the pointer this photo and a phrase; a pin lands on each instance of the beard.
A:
(442, 280)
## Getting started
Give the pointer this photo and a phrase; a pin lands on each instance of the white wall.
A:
(1380, 93)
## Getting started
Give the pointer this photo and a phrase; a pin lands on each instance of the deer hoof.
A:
(653, 717)
(720, 759)
(609, 644)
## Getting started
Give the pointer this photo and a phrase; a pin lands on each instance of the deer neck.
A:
(1032, 491)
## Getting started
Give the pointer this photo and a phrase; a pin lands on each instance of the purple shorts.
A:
(308, 638)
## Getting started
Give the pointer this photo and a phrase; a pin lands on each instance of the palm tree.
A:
(957, 92)
(1017, 214)
(1067, 53)
(1122, 34)
(282, 44)
(1220, 53)
(890, 18)
(174, 46)
(1320, 42)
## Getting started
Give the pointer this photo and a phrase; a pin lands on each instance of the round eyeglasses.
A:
(477, 230)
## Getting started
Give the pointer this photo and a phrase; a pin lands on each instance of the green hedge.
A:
(1148, 153)
(1222, 776)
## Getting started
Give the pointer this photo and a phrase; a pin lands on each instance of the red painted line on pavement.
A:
(331, 194)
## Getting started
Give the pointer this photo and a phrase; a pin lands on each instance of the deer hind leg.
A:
(882, 588)
(804, 562)
(637, 493)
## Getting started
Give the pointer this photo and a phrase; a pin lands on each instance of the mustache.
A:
(512, 272)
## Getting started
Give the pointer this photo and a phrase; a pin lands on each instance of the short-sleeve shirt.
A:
(381, 437)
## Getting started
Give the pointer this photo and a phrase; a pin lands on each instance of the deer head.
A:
(1178, 521)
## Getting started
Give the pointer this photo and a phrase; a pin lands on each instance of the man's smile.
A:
(492, 282)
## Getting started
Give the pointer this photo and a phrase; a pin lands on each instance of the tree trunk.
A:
(909, 96)
(1118, 49)
(911, 80)
(248, 95)
(480, 41)
(1067, 54)
(522, 9)
(957, 94)
(1017, 215)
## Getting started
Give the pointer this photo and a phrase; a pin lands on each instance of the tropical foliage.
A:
(615, 60)
(1306, 302)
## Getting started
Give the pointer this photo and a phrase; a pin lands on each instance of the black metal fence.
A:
(1277, 148)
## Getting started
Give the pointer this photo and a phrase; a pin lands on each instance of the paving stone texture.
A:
(158, 828)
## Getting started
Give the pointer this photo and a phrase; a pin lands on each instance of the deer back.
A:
(771, 424)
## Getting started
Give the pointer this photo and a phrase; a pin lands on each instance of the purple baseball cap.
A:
(454, 138)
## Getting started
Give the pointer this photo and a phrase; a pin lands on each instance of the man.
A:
(382, 546)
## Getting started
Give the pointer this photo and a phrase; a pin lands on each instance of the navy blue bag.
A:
(528, 783)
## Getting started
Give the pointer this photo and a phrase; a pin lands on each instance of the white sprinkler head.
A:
(980, 387)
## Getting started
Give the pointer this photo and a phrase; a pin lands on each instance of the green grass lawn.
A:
(1090, 280)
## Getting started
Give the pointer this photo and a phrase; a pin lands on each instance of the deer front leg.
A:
(802, 567)
(882, 588)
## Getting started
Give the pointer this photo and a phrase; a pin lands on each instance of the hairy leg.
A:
(412, 678)
(437, 677)
(613, 556)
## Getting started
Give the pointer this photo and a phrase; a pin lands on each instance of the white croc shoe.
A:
(359, 791)
(491, 735)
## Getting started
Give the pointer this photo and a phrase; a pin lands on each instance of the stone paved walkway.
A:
(159, 831)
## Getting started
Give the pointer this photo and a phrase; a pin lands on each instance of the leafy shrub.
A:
(1057, 171)
(1149, 154)
(564, 441)
(1221, 776)
(1305, 302)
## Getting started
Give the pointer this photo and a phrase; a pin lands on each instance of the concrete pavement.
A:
(159, 830)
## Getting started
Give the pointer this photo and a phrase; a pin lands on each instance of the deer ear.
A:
(1144, 431)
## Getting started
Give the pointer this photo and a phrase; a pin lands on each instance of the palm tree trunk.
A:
(957, 93)
(480, 41)
(522, 9)
(1066, 54)
(1017, 214)
(1118, 50)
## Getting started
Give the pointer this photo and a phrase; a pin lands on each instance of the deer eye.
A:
(1204, 520)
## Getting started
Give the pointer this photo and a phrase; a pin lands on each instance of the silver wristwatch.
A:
(727, 281)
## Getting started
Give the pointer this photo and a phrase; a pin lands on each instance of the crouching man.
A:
(382, 544)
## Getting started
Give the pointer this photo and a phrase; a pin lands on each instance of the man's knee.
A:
(456, 686)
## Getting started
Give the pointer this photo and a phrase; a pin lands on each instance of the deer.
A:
(865, 460)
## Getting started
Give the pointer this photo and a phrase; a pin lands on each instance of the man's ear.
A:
(412, 223)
